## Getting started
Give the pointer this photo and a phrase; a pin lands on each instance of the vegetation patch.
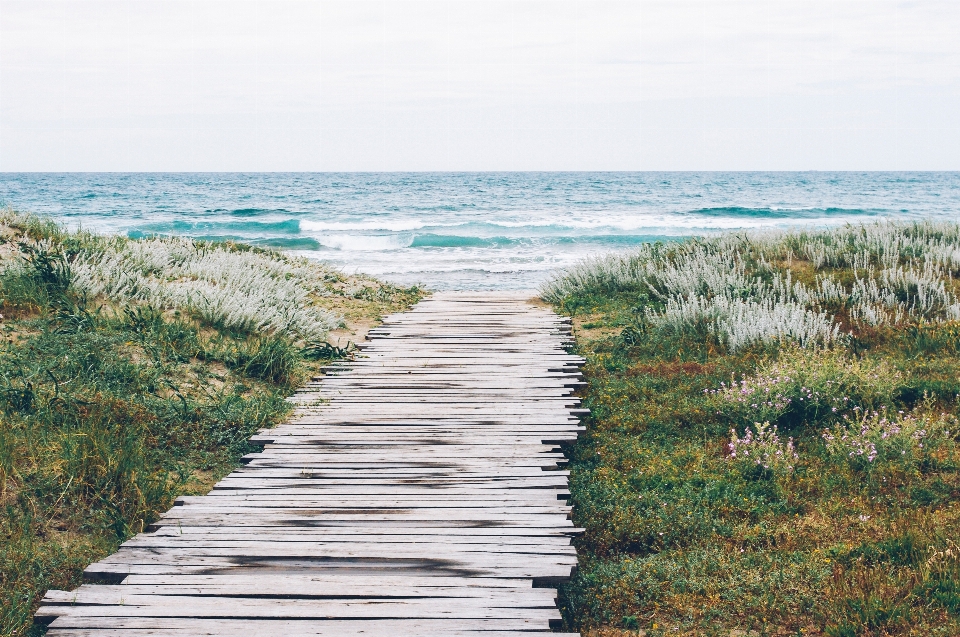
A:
(134, 371)
(773, 443)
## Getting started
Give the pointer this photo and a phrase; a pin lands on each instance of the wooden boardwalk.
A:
(416, 491)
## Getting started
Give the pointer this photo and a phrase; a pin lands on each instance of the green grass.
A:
(683, 539)
(109, 410)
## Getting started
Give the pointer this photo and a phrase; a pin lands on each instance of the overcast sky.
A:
(454, 85)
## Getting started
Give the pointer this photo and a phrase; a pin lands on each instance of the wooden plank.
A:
(197, 606)
(336, 581)
(505, 483)
(86, 627)
(289, 518)
(169, 547)
(363, 532)
(294, 628)
(341, 589)
(215, 536)
(543, 571)
(418, 500)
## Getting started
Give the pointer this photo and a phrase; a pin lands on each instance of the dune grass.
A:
(122, 387)
(773, 444)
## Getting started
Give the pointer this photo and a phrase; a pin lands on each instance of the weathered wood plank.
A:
(121, 593)
(197, 606)
(155, 626)
(542, 571)
(363, 532)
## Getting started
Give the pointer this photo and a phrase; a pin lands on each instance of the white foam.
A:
(365, 243)
(613, 221)
(396, 225)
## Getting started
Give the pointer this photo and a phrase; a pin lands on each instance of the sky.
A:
(204, 85)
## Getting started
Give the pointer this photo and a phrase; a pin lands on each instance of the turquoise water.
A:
(470, 230)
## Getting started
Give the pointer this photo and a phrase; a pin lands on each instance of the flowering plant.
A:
(763, 447)
(876, 435)
(801, 386)
(761, 396)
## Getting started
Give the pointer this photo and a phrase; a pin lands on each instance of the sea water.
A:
(470, 230)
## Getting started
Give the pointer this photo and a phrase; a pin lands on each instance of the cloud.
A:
(207, 85)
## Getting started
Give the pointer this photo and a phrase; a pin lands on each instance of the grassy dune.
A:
(773, 444)
(134, 371)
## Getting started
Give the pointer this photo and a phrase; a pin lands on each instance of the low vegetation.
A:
(133, 371)
(773, 444)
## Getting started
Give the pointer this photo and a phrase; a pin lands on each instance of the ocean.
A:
(470, 230)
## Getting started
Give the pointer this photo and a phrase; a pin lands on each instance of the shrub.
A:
(252, 291)
(41, 277)
(270, 358)
(873, 435)
(901, 273)
(739, 323)
(762, 447)
(801, 386)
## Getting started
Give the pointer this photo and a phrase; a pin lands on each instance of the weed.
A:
(48, 265)
(327, 351)
(270, 358)
(800, 386)
(761, 448)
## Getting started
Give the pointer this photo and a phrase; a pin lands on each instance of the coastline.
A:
(479, 230)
